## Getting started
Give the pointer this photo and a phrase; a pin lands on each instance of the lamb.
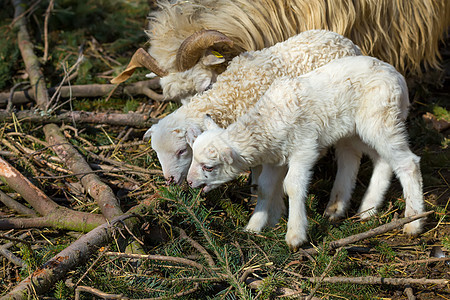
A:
(245, 81)
(357, 100)
(191, 42)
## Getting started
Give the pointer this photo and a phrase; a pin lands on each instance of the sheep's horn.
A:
(192, 47)
(140, 58)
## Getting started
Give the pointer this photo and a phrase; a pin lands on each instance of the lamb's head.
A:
(186, 66)
(214, 161)
(168, 139)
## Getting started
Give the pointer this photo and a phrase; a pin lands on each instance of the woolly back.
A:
(404, 33)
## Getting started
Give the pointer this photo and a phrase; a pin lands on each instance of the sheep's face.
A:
(213, 161)
(199, 78)
(173, 152)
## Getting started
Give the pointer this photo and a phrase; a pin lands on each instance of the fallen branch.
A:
(102, 193)
(54, 215)
(16, 206)
(90, 90)
(178, 260)
(380, 280)
(70, 117)
(31, 61)
(9, 255)
(97, 293)
(371, 233)
(56, 268)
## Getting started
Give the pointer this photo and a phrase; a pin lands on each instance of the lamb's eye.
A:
(182, 151)
(207, 168)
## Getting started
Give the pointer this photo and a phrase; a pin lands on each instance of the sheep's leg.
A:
(256, 172)
(296, 186)
(391, 144)
(379, 183)
(348, 160)
(270, 203)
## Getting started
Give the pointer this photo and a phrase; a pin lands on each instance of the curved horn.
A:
(192, 47)
(140, 58)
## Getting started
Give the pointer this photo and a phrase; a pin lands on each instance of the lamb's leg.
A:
(296, 186)
(348, 156)
(379, 183)
(270, 203)
(389, 140)
(256, 172)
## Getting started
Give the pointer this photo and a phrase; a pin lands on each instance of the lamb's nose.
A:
(169, 180)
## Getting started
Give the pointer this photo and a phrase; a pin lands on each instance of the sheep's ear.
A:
(192, 134)
(203, 85)
(209, 122)
(148, 133)
(212, 58)
(228, 155)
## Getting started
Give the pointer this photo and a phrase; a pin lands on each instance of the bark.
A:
(56, 268)
(381, 280)
(16, 206)
(98, 190)
(90, 90)
(70, 117)
(31, 61)
(59, 216)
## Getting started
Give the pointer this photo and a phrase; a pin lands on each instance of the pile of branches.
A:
(86, 176)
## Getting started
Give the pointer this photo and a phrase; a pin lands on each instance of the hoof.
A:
(295, 240)
(413, 229)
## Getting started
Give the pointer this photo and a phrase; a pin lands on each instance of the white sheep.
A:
(183, 34)
(247, 78)
(357, 101)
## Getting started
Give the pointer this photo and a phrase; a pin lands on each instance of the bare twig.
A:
(380, 280)
(9, 255)
(199, 248)
(30, 59)
(130, 119)
(179, 260)
(373, 232)
(96, 292)
(47, 16)
(409, 293)
(324, 273)
(89, 90)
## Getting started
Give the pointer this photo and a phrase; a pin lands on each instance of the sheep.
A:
(238, 88)
(191, 42)
(357, 100)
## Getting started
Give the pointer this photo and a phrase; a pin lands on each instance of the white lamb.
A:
(246, 79)
(357, 101)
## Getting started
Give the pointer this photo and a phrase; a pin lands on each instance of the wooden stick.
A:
(16, 206)
(59, 216)
(380, 280)
(97, 189)
(30, 59)
(179, 260)
(69, 117)
(57, 267)
(372, 232)
(89, 90)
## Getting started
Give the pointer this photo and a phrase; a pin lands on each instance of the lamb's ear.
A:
(209, 122)
(228, 155)
(191, 135)
(148, 133)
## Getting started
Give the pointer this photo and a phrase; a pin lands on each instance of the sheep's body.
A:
(238, 88)
(357, 101)
(404, 33)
